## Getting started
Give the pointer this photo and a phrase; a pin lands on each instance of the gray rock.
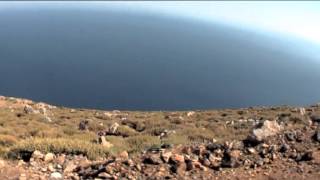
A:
(316, 135)
(315, 118)
(153, 159)
(29, 109)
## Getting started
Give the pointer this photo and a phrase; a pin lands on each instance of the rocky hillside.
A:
(40, 141)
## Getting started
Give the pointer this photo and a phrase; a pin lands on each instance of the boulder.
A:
(264, 130)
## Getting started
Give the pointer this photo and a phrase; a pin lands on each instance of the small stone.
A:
(37, 155)
(138, 167)
(2, 163)
(61, 159)
(104, 175)
(153, 159)
(284, 148)
(235, 154)
(23, 177)
(316, 135)
(165, 156)
(56, 176)
(189, 165)
(230, 159)
(252, 151)
(290, 136)
(49, 157)
(206, 162)
(69, 167)
(178, 159)
(20, 163)
(259, 162)
(200, 166)
(124, 155)
(213, 146)
(51, 168)
(308, 156)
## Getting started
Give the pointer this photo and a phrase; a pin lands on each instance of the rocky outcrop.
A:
(264, 130)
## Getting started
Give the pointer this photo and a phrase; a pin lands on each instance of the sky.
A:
(298, 19)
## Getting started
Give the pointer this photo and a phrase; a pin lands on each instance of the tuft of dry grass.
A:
(7, 140)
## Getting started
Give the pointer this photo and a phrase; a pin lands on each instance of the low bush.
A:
(59, 145)
(142, 142)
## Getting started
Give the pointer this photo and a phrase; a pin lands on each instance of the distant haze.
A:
(109, 58)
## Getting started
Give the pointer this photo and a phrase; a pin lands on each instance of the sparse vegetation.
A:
(137, 131)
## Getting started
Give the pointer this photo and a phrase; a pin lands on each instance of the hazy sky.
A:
(299, 19)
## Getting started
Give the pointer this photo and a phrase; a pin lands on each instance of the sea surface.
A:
(109, 59)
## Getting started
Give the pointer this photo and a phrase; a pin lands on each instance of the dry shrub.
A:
(142, 142)
(176, 139)
(7, 140)
(59, 145)
(126, 131)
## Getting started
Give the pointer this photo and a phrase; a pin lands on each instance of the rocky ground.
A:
(40, 141)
